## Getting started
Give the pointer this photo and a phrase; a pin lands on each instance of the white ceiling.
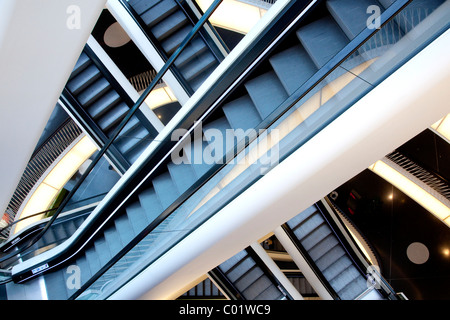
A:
(40, 42)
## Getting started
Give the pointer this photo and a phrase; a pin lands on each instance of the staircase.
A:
(319, 242)
(169, 23)
(103, 107)
(285, 71)
(249, 279)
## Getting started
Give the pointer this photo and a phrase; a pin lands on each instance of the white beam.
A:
(410, 100)
(40, 42)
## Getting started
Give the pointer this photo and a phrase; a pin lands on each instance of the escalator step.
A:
(322, 39)
(192, 50)
(293, 67)
(171, 43)
(183, 175)
(151, 204)
(266, 92)
(99, 107)
(140, 6)
(158, 12)
(136, 216)
(82, 63)
(93, 260)
(172, 23)
(165, 189)
(351, 15)
(102, 250)
(323, 246)
(332, 256)
(315, 236)
(124, 229)
(112, 237)
(298, 219)
(84, 79)
(242, 114)
(113, 116)
(94, 92)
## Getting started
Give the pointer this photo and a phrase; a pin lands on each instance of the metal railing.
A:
(426, 175)
(119, 128)
(40, 161)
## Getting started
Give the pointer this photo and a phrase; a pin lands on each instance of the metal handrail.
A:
(327, 69)
(122, 124)
(426, 175)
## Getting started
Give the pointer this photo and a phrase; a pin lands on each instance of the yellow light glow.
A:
(70, 163)
(40, 200)
(160, 97)
(233, 15)
(411, 189)
(443, 127)
(53, 183)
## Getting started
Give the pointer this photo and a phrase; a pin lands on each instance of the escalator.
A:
(167, 23)
(315, 238)
(124, 222)
(99, 104)
(243, 276)
(63, 228)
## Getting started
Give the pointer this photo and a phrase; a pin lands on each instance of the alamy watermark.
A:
(373, 277)
(263, 149)
(374, 20)
(73, 281)
(73, 21)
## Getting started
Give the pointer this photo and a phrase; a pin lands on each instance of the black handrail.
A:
(166, 149)
(328, 68)
(310, 262)
(151, 38)
(15, 241)
(122, 124)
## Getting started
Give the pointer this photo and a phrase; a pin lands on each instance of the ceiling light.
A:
(412, 190)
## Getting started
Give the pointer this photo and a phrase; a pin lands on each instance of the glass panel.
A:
(308, 114)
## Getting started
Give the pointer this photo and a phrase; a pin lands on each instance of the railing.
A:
(142, 80)
(426, 175)
(289, 105)
(118, 130)
(40, 161)
(316, 122)
(369, 271)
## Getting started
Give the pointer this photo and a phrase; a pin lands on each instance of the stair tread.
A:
(350, 15)
(94, 91)
(322, 39)
(172, 23)
(151, 204)
(158, 12)
(293, 67)
(140, 6)
(242, 114)
(266, 92)
(165, 189)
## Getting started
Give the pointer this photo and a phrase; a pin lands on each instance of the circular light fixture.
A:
(417, 253)
(115, 36)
